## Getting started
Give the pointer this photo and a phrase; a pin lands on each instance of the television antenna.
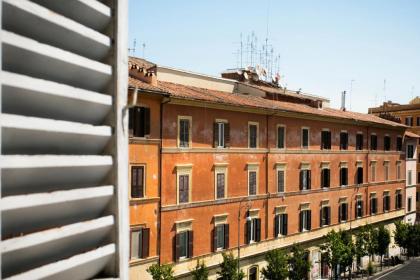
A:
(133, 50)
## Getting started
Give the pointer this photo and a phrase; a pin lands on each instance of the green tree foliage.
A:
(408, 237)
(200, 271)
(401, 234)
(360, 244)
(161, 272)
(229, 268)
(371, 239)
(298, 263)
(339, 251)
(383, 240)
(277, 268)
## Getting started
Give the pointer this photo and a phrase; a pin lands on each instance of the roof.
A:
(140, 62)
(249, 101)
(411, 134)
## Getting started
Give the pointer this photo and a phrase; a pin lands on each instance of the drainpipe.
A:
(160, 178)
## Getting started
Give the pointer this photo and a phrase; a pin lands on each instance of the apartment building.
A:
(408, 114)
(411, 169)
(222, 163)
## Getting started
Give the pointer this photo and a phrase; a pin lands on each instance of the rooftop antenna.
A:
(241, 51)
(343, 101)
(133, 50)
(412, 92)
(351, 93)
(144, 49)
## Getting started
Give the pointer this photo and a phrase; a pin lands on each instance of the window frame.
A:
(278, 136)
(184, 170)
(180, 118)
(357, 146)
(326, 146)
(132, 166)
(305, 167)
(387, 147)
(359, 198)
(253, 167)
(281, 167)
(131, 119)
(340, 207)
(301, 138)
(257, 136)
(408, 153)
(376, 142)
(343, 165)
(399, 143)
(221, 168)
(346, 146)
(386, 171)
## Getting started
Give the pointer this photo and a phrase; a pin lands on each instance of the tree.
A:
(161, 272)
(383, 240)
(277, 268)
(298, 263)
(200, 271)
(371, 240)
(338, 251)
(401, 235)
(229, 268)
(360, 245)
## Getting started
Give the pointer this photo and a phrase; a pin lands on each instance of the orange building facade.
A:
(223, 169)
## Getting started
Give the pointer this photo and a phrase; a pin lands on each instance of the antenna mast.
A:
(133, 50)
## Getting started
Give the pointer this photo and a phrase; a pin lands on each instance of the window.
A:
(305, 179)
(344, 140)
(409, 121)
(252, 182)
(221, 134)
(253, 230)
(398, 170)
(326, 140)
(409, 199)
(253, 135)
(343, 176)
(410, 151)
(343, 212)
(253, 273)
(387, 143)
(386, 170)
(304, 220)
(138, 121)
(184, 132)
(280, 225)
(325, 216)
(373, 204)
(359, 141)
(184, 183)
(221, 237)
(359, 175)
(418, 176)
(359, 208)
(373, 171)
(281, 137)
(325, 178)
(280, 180)
(409, 179)
(398, 200)
(418, 121)
(220, 185)
(184, 245)
(373, 142)
(418, 158)
(137, 181)
(386, 202)
(305, 138)
(399, 143)
(139, 243)
(184, 188)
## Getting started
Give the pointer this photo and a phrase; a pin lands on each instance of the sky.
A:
(323, 45)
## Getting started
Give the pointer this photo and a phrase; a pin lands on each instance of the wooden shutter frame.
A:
(226, 232)
(145, 243)
(146, 121)
(176, 246)
(190, 252)
(215, 134)
(257, 230)
(227, 135)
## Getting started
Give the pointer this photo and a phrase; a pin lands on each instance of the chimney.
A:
(343, 101)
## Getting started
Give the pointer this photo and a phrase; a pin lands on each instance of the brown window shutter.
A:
(137, 122)
(176, 247)
(226, 236)
(215, 135)
(301, 221)
(227, 135)
(309, 179)
(257, 230)
(321, 217)
(145, 242)
(133, 181)
(190, 243)
(146, 121)
(301, 180)
(285, 218)
(140, 180)
(309, 219)
(248, 231)
(214, 239)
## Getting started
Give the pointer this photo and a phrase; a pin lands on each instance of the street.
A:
(410, 271)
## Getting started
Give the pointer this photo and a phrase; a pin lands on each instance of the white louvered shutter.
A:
(64, 212)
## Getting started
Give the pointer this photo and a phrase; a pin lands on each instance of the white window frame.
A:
(281, 166)
(178, 142)
(220, 168)
(184, 169)
(253, 167)
(301, 137)
(144, 180)
(257, 124)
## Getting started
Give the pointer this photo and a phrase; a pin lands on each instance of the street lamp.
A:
(247, 206)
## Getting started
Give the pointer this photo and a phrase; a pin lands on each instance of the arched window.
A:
(253, 273)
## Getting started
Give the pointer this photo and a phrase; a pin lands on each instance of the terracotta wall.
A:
(202, 158)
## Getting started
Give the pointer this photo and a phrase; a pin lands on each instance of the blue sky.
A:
(323, 44)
